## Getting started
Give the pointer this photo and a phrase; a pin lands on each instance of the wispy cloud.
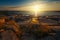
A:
(48, 6)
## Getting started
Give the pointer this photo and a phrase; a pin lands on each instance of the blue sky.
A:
(19, 2)
(13, 2)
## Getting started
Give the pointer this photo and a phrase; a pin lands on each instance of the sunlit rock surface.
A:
(22, 27)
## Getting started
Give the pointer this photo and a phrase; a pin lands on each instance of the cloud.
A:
(48, 6)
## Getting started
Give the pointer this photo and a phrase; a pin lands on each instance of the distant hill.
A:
(9, 12)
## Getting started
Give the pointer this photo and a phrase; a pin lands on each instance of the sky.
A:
(24, 4)
(19, 2)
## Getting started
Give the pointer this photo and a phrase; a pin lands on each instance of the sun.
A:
(36, 9)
